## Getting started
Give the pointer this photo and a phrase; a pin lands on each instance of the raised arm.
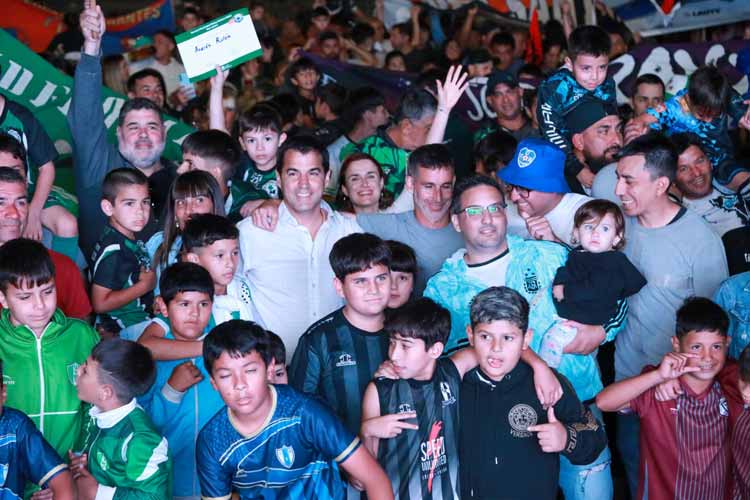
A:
(215, 101)
(448, 94)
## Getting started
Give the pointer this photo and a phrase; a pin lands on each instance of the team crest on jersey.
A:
(530, 281)
(72, 370)
(285, 456)
(445, 391)
(405, 408)
(102, 460)
(345, 359)
(3, 473)
(521, 417)
(723, 407)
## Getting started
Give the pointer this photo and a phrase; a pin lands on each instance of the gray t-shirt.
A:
(679, 260)
(432, 246)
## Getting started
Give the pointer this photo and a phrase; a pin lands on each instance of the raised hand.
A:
(388, 426)
(675, 364)
(93, 26)
(552, 436)
(450, 91)
(184, 376)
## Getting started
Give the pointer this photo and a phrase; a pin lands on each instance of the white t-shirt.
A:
(560, 218)
(170, 72)
(722, 209)
(491, 273)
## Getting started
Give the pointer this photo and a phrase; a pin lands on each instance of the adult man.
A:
(163, 62)
(493, 258)
(290, 278)
(505, 98)
(535, 183)
(503, 47)
(140, 137)
(14, 213)
(419, 120)
(596, 138)
(726, 211)
(147, 83)
(674, 249)
(648, 92)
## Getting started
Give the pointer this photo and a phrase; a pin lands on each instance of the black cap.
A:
(588, 111)
(499, 77)
(478, 56)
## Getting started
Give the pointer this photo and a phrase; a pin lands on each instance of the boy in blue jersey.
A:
(272, 441)
(411, 422)
(182, 400)
(338, 355)
(584, 74)
(26, 457)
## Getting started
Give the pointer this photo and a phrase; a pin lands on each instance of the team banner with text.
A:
(33, 82)
(123, 30)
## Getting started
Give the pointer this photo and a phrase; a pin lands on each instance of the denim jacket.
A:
(531, 272)
(734, 296)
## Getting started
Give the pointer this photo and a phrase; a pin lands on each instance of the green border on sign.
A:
(231, 64)
(203, 28)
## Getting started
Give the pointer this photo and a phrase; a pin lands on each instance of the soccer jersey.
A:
(116, 263)
(423, 463)
(237, 303)
(24, 455)
(684, 448)
(336, 360)
(294, 455)
(126, 455)
(262, 182)
(391, 158)
(741, 456)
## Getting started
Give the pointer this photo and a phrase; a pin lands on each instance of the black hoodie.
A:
(498, 457)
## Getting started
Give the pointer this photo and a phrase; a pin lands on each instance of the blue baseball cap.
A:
(537, 165)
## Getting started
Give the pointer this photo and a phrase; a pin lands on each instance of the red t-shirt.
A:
(684, 445)
(72, 298)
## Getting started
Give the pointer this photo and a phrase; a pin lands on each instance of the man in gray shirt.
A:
(674, 249)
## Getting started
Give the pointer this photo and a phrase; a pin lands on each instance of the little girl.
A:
(595, 278)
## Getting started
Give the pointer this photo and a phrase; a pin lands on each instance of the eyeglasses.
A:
(522, 191)
(477, 211)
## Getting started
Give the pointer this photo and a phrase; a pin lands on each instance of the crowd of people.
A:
(326, 298)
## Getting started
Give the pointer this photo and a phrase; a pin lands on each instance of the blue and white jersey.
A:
(295, 455)
(24, 455)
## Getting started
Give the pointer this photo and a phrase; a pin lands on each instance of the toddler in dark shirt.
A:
(595, 278)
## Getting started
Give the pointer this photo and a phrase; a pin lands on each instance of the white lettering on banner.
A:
(44, 95)
(10, 76)
(476, 113)
(111, 108)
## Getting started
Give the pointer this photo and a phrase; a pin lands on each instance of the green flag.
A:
(46, 91)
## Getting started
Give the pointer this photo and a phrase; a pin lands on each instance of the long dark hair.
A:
(193, 183)
(343, 203)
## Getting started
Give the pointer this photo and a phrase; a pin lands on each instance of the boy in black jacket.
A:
(500, 413)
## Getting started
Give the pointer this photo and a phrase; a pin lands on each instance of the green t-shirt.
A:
(392, 159)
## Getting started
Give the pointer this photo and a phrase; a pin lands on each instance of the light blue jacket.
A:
(734, 297)
(531, 271)
(179, 417)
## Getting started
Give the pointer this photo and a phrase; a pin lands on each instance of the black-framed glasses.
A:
(522, 191)
(477, 211)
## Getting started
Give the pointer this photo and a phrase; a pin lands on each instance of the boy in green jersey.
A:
(120, 455)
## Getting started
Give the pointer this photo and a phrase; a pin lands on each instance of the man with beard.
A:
(726, 211)
(140, 138)
(505, 98)
(491, 257)
(596, 137)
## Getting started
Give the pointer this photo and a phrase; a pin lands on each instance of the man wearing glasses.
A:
(535, 183)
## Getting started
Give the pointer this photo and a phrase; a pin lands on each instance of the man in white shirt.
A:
(290, 277)
(163, 62)
(536, 185)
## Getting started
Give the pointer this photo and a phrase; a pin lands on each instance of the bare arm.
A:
(41, 192)
(465, 33)
(370, 410)
(105, 299)
(364, 469)
(215, 101)
(168, 349)
(449, 92)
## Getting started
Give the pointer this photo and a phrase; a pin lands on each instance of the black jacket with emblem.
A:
(499, 458)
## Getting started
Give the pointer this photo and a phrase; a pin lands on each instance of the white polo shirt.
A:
(289, 274)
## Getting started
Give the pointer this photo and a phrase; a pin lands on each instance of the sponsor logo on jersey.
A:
(521, 417)
(432, 456)
(285, 456)
(405, 408)
(445, 391)
(72, 370)
(102, 460)
(8, 380)
(345, 359)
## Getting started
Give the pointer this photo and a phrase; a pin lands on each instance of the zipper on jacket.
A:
(41, 374)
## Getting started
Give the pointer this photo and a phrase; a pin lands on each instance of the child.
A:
(706, 108)
(683, 442)
(122, 276)
(500, 413)
(278, 356)
(423, 463)
(271, 435)
(304, 77)
(182, 400)
(120, 454)
(595, 277)
(741, 432)
(403, 273)
(585, 73)
(41, 347)
(210, 241)
(337, 356)
(27, 457)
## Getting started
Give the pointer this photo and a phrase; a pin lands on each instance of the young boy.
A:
(27, 457)
(120, 454)
(304, 77)
(411, 423)
(122, 277)
(585, 73)
(403, 273)
(210, 241)
(501, 415)
(276, 347)
(684, 441)
(40, 346)
(271, 436)
(337, 356)
(706, 108)
(182, 400)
